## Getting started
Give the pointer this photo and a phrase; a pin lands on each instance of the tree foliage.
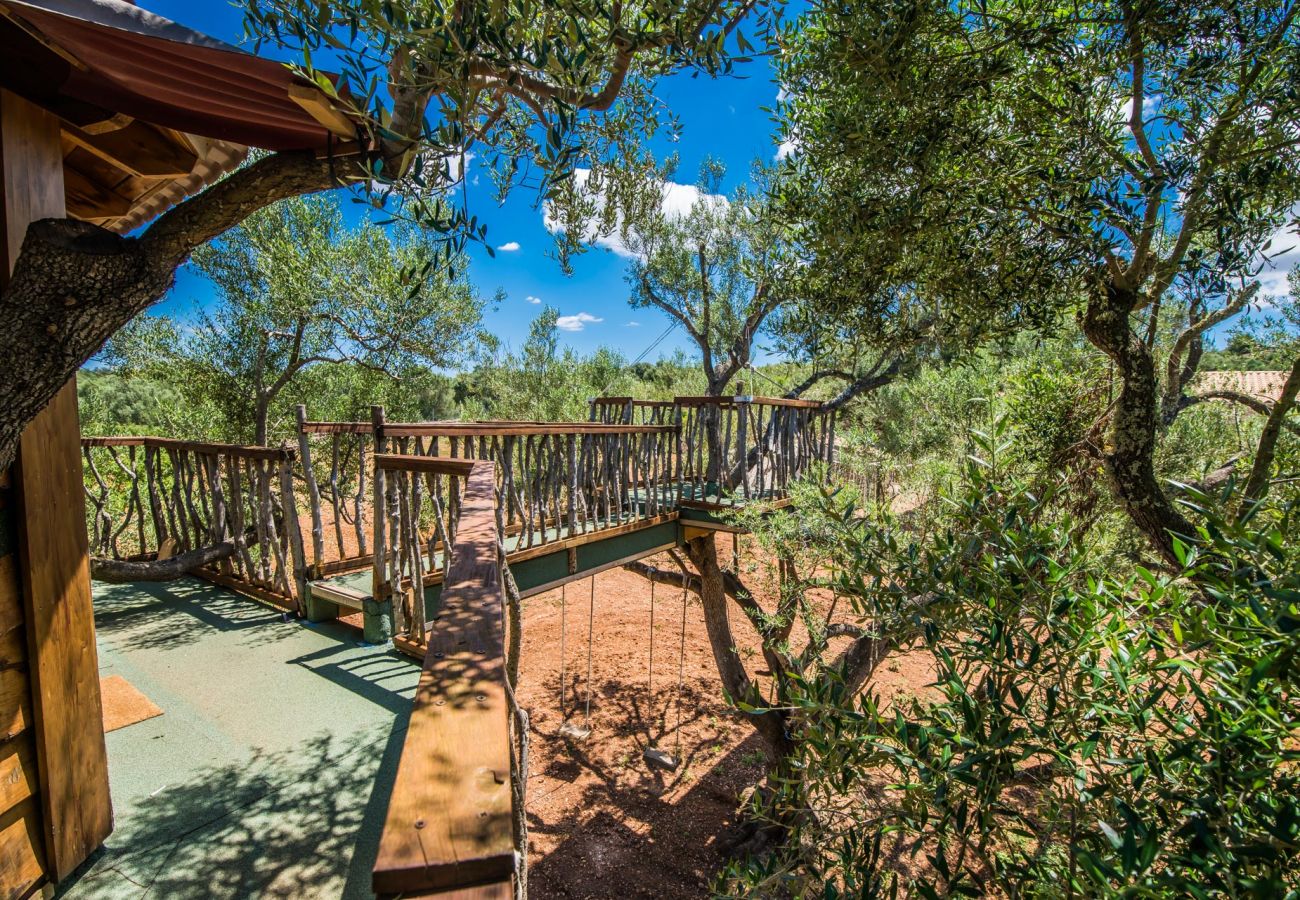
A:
(297, 290)
(1002, 159)
(535, 88)
(1085, 734)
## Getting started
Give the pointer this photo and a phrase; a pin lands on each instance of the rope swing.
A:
(655, 757)
(570, 730)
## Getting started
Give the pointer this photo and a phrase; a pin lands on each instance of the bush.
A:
(1086, 735)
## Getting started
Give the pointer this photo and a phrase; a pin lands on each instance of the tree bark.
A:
(120, 571)
(1257, 484)
(703, 553)
(1129, 455)
(260, 414)
(74, 284)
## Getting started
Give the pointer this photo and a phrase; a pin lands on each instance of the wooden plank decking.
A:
(449, 820)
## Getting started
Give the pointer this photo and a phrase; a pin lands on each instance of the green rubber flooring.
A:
(269, 771)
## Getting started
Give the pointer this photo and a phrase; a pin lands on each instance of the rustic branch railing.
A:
(335, 464)
(630, 411)
(450, 817)
(148, 495)
(736, 449)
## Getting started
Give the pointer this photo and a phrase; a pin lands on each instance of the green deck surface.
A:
(268, 773)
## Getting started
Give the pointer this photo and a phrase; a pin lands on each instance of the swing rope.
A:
(563, 664)
(591, 632)
(681, 674)
(650, 685)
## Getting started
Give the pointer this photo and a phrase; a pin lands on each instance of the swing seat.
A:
(659, 759)
(571, 732)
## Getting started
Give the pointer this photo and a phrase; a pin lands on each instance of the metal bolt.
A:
(419, 823)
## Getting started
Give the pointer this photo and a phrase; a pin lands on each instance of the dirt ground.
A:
(603, 823)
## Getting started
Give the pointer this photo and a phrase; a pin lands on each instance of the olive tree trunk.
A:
(74, 284)
(1129, 454)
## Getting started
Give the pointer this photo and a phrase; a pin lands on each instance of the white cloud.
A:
(791, 146)
(531, 299)
(1284, 255)
(576, 323)
(632, 325)
(678, 200)
(509, 247)
(443, 171)
(1149, 106)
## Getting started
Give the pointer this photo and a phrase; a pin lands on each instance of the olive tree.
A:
(296, 290)
(533, 86)
(1025, 157)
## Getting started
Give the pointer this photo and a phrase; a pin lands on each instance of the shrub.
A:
(1086, 734)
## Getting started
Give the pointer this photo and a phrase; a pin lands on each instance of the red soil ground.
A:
(602, 823)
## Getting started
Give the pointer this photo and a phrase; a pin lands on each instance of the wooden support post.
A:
(53, 553)
(313, 490)
(375, 613)
(294, 533)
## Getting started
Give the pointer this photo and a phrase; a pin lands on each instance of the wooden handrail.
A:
(757, 401)
(336, 428)
(624, 401)
(275, 453)
(429, 465)
(449, 823)
(515, 429)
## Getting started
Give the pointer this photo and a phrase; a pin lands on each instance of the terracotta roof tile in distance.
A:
(1265, 385)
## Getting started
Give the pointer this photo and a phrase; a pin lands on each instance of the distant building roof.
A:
(152, 111)
(1264, 385)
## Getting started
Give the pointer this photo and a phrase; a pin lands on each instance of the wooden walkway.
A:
(412, 526)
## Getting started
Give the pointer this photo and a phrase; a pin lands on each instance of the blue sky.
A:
(723, 118)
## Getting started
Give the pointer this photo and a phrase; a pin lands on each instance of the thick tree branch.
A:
(74, 284)
(685, 580)
(1174, 375)
(1257, 484)
(119, 571)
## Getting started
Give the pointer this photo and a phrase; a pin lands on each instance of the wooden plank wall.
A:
(54, 802)
(22, 850)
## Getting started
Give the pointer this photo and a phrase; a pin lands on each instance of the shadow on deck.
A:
(268, 773)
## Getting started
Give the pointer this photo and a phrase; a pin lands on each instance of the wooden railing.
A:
(335, 468)
(630, 411)
(738, 449)
(147, 496)
(552, 482)
(556, 480)
(450, 816)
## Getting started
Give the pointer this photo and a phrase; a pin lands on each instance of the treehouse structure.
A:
(408, 531)
(113, 116)
(109, 115)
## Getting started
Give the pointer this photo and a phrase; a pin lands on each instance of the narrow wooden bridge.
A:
(407, 532)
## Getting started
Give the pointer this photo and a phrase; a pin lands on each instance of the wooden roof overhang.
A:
(152, 111)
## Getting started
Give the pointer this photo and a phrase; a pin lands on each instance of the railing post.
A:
(313, 489)
(572, 454)
(376, 613)
(293, 531)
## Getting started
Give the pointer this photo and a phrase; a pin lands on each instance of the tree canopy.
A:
(1006, 160)
(297, 289)
(534, 87)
